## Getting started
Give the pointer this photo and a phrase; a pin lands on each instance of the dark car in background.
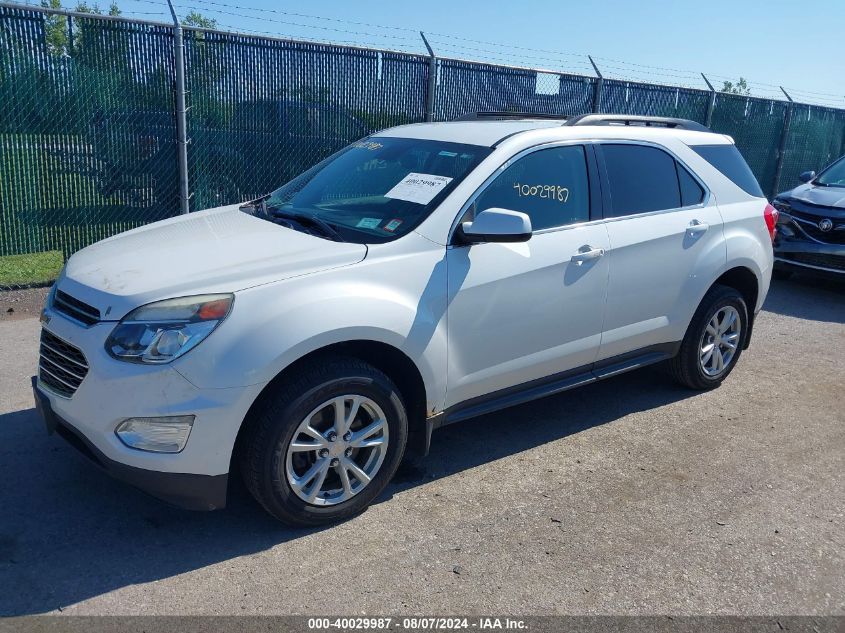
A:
(260, 144)
(811, 229)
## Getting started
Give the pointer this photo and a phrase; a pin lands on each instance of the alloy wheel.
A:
(720, 341)
(337, 450)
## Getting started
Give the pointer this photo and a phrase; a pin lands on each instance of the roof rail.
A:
(644, 121)
(501, 116)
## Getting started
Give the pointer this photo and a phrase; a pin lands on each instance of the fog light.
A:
(167, 434)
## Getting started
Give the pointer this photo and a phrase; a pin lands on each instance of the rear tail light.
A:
(771, 216)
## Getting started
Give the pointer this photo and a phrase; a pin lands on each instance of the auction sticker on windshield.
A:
(368, 223)
(419, 188)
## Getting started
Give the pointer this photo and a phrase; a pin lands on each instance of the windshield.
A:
(833, 176)
(376, 189)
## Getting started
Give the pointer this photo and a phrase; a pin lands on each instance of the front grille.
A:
(75, 309)
(835, 262)
(809, 223)
(61, 366)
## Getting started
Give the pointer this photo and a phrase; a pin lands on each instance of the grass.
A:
(49, 200)
(33, 268)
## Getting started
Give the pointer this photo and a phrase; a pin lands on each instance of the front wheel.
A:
(324, 444)
(713, 341)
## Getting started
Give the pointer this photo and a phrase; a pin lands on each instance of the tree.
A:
(83, 7)
(738, 88)
(55, 29)
(56, 26)
(206, 68)
(197, 19)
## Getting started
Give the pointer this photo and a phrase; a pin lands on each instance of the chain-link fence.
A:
(88, 134)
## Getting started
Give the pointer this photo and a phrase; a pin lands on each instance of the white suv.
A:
(424, 275)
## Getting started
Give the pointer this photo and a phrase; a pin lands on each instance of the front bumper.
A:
(185, 490)
(804, 255)
(112, 391)
(800, 246)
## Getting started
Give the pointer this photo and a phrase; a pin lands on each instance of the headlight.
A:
(781, 205)
(161, 331)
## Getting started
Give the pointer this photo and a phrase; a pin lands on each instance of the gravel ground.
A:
(21, 304)
(631, 496)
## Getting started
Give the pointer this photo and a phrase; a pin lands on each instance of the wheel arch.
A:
(745, 281)
(387, 358)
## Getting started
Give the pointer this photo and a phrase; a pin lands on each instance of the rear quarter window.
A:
(691, 191)
(728, 160)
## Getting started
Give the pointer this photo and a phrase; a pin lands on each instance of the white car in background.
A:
(424, 275)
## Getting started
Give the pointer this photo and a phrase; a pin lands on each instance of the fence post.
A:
(432, 80)
(181, 111)
(787, 119)
(711, 105)
(598, 86)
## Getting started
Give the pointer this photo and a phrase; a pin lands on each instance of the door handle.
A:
(586, 253)
(697, 226)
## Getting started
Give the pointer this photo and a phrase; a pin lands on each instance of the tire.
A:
(781, 274)
(688, 366)
(270, 467)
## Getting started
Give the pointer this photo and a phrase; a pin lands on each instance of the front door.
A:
(520, 312)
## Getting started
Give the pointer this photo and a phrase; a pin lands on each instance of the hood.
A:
(832, 197)
(219, 250)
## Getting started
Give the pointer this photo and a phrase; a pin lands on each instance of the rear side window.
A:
(641, 179)
(728, 160)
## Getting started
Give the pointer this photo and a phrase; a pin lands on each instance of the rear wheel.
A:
(713, 341)
(323, 445)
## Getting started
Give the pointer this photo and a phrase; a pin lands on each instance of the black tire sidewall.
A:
(280, 499)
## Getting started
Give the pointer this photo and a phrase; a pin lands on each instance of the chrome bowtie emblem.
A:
(826, 224)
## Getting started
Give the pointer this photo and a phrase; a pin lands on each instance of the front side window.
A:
(641, 178)
(833, 176)
(374, 190)
(550, 185)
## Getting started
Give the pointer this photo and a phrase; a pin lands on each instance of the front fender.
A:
(274, 325)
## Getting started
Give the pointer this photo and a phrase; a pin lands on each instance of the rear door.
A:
(666, 245)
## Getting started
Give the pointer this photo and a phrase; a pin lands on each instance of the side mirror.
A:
(807, 176)
(496, 225)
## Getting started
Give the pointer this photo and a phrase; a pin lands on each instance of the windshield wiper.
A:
(325, 228)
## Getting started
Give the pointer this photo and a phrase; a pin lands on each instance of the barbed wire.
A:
(510, 54)
(581, 64)
(617, 64)
(684, 73)
(299, 15)
(35, 4)
(235, 30)
(289, 23)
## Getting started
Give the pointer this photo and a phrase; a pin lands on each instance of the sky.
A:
(798, 45)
